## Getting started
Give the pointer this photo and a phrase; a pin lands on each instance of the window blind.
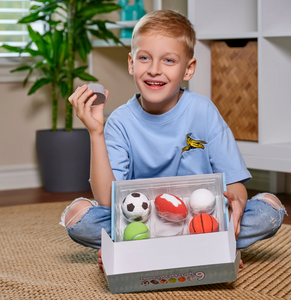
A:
(11, 32)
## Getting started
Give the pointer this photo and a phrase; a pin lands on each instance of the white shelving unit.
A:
(117, 25)
(269, 22)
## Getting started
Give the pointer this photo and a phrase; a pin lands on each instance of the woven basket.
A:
(234, 87)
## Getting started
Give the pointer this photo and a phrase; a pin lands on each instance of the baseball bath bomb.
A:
(171, 208)
(202, 201)
(136, 231)
(203, 223)
(136, 207)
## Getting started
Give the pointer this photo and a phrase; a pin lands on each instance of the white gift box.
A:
(169, 258)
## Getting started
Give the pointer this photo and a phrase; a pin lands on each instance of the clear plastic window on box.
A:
(181, 187)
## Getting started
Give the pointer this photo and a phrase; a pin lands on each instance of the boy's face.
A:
(159, 64)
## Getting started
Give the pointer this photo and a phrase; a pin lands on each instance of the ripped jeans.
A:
(260, 221)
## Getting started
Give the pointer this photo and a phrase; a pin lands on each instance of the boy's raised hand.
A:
(91, 117)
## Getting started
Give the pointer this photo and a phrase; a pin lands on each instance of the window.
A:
(10, 32)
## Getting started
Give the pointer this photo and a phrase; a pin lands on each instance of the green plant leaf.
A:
(27, 77)
(40, 43)
(31, 52)
(53, 23)
(49, 1)
(12, 48)
(39, 64)
(34, 7)
(64, 88)
(48, 73)
(80, 70)
(29, 19)
(83, 45)
(23, 68)
(38, 84)
(90, 11)
(63, 53)
(83, 54)
(60, 46)
(99, 34)
(86, 77)
(40, 14)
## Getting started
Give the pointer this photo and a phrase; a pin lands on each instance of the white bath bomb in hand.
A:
(202, 201)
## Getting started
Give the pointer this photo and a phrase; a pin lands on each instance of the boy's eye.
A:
(143, 58)
(169, 60)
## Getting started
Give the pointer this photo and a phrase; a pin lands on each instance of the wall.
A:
(21, 115)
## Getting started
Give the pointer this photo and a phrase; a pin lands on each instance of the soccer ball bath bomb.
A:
(136, 207)
(136, 231)
(171, 208)
(203, 223)
(202, 201)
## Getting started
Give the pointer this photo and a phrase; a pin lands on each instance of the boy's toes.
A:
(100, 264)
(241, 264)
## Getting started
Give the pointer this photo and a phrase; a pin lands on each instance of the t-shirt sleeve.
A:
(117, 148)
(224, 154)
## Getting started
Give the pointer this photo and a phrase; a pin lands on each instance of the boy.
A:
(163, 131)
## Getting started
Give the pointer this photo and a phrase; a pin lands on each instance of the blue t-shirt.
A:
(192, 138)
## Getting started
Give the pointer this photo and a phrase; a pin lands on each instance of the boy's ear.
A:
(190, 69)
(130, 64)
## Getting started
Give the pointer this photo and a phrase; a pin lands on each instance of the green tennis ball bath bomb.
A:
(136, 231)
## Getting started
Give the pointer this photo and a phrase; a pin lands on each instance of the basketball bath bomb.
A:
(171, 208)
(202, 201)
(136, 207)
(203, 223)
(136, 231)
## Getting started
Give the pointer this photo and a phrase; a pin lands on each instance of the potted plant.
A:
(63, 154)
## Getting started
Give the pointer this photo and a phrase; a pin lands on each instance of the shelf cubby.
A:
(268, 22)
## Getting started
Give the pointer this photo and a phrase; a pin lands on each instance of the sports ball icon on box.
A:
(171, 208)
(136, 207)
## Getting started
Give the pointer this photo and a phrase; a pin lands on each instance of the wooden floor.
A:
(39, 195)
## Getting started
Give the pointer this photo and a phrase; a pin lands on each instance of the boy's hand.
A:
(236, 208)
(92, 117)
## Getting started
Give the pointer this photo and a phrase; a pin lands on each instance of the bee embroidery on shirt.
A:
(193, 144)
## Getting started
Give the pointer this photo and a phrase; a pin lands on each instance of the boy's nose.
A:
(154, 69)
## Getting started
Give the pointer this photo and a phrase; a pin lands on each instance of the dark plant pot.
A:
(64, 159)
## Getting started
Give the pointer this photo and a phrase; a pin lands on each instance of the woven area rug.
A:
(39, 261)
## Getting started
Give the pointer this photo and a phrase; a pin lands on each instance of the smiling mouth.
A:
(150, 83)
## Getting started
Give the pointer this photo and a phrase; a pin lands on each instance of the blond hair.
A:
(166, 23)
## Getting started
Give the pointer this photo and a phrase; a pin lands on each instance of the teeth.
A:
(155, 83)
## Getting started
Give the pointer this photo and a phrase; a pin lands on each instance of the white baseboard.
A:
(19, 177)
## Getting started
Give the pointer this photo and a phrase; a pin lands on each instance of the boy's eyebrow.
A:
(164, 54)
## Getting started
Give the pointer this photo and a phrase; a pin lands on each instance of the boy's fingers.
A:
(229, 196)
(106, 93)
(78, 93)
(100, 264)
(90, 100)
(101, 269)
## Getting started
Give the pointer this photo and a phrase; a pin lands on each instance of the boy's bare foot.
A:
(100, 264)
(241, 264)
